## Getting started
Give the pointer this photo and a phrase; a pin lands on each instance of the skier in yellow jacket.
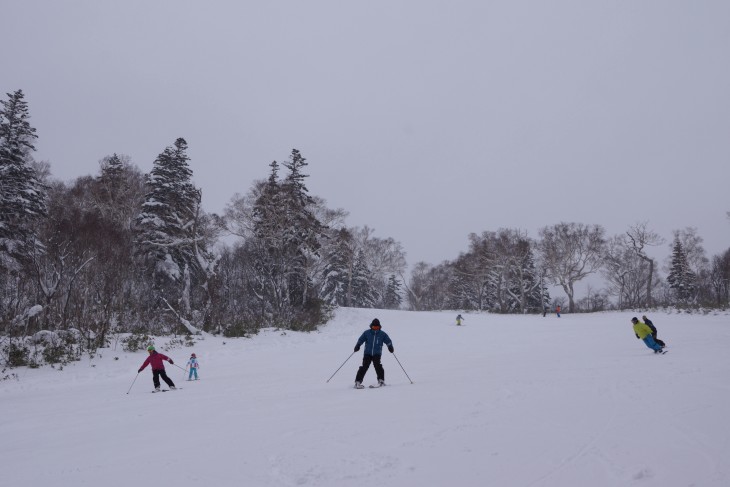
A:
(643, 332)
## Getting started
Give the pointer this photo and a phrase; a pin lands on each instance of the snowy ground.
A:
(503, 401)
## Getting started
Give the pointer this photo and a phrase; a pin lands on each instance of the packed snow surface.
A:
(502, 401)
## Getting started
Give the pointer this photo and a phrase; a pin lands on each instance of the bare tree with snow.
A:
(570, 252)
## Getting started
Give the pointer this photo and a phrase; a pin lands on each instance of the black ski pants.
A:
(366, 360)
(156, 374)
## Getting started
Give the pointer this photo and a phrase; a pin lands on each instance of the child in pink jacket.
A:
(158, 368)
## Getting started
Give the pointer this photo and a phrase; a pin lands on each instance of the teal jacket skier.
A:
(373, 339)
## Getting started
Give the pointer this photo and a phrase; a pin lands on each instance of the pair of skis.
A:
(166, 390)
(371, 386)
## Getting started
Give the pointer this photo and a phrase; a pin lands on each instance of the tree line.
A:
(508, 272)
(127, 252)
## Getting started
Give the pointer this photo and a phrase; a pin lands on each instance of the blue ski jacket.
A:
(373, 341)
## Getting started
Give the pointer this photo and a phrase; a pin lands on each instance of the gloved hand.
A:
(357, 348)
(140, 370)
(171, 362)
(391, 349)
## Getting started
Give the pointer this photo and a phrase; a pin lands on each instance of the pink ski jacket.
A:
(155, 359)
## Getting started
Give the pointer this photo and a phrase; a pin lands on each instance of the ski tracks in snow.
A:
(588, 447)
(286, 471)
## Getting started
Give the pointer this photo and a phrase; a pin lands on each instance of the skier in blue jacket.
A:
(373, 340)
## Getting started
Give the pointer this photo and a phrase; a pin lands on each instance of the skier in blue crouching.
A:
(374, 338)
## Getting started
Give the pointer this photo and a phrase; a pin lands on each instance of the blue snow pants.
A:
(649, 340)
(193, 371)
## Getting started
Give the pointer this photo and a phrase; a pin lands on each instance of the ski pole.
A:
(176, 365)
(185, 370)
(343, 363)
(135, 380)
(404, 370)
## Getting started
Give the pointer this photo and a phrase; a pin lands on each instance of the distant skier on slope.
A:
(653, 331)
(373, 340)
(459, 318)
(158, 368)
(643, 332)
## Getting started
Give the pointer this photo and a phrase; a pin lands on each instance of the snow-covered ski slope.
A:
(503, 401)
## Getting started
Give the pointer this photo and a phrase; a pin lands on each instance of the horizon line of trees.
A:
(123, 251)
(507, 272)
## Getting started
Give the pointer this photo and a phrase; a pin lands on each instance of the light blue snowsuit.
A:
(193, 364)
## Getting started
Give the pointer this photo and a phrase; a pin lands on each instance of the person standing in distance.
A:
(373, 339)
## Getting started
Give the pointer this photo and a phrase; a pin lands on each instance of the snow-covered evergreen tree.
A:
(337, 286)
(288, 234)
(363, 294)
(681, 279)
(269, 247)
(392, 298)
(170, 233)
(304, 228)
(525, 289)
(269, 213)
(22, 195)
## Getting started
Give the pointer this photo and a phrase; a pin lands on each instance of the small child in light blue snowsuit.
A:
(193, 364)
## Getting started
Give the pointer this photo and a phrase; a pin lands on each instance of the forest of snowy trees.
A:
(125, 252)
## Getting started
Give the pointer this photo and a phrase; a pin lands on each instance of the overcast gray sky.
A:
(426, 120)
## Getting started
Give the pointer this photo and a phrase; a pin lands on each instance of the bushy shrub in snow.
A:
(136, 342)
(17, 354)
(186, 341)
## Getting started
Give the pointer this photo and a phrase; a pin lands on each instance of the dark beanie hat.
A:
(376, 322)
(634, 319)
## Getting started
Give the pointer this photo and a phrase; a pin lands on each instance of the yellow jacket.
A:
(642, 330)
